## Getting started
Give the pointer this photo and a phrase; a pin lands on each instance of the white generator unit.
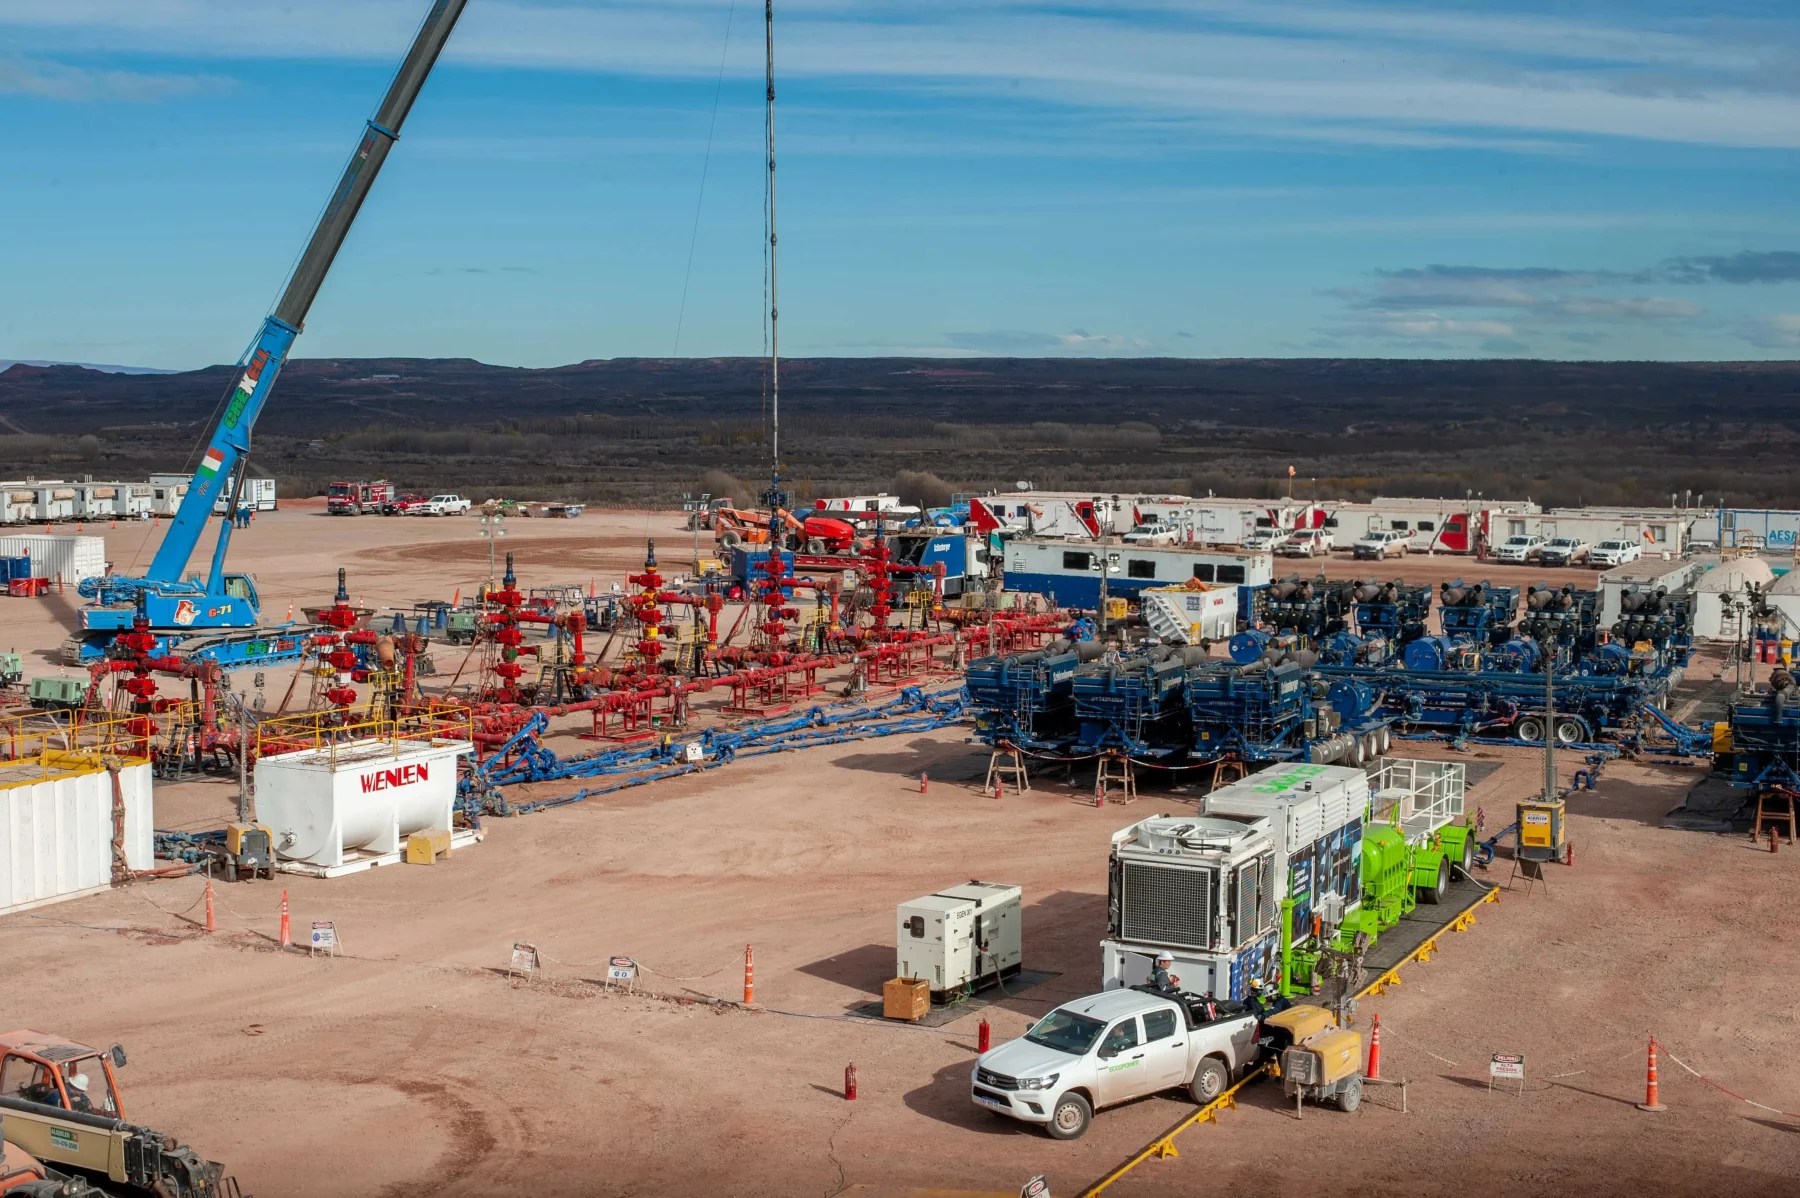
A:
(350, 802)
(1204, 889)
(961, 939)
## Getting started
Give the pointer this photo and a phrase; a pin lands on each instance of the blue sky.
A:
(1211, 178)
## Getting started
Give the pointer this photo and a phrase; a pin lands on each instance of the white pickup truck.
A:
(441, 505)
(1112, 1047)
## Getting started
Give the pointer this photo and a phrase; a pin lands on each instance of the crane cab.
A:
(242, 586)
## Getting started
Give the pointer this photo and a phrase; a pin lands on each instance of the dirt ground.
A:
(411, 1064)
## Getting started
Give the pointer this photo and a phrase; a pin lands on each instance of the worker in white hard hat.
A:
(78, 1093)
(1161, 978)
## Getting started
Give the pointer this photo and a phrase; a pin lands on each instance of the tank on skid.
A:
(335, 803)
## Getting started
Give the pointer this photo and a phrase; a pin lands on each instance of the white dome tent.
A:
(1785, 595)
(1728, 578)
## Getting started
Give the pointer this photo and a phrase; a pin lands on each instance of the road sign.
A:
(621, 969)
(1037, 1187)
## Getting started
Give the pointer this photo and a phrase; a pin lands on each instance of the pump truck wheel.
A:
(1209, 1081)
(1070, 1119)
(1435, 892)
(1530, 728)
(1350, 1097)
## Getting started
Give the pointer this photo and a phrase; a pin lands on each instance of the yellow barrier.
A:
(31, 736)
(327, 730)
(1164, 1145)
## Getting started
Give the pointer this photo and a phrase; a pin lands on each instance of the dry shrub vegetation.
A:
(644, 431)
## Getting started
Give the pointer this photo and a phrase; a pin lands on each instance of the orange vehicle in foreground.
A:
(62, 1106)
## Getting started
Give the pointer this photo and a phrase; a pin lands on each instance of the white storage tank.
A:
(56, 826)
(73, 559)
(333, 805)
(1784, 595)
(1730, 579)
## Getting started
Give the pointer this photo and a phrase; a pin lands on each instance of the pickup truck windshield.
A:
(1066, 1031)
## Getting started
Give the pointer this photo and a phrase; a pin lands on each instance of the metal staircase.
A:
(1163, 611)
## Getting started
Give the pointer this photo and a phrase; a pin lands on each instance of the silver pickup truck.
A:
(1112, 1047)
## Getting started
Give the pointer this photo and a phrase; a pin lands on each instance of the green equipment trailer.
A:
(1415, 837)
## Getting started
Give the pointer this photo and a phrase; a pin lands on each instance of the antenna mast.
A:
(776, 498)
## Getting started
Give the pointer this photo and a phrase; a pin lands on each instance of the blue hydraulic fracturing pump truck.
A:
(178, 606)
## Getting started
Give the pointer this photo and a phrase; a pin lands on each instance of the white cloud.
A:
(1625, 308)
(1430, 324)
(1375, 74)
(1076, 342)
(1778, 331)
(57, 81)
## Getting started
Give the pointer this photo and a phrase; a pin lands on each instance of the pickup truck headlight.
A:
(1038, 1083)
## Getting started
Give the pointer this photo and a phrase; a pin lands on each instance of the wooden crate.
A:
(906, 998)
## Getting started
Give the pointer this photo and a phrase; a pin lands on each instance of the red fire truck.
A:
(358, 499)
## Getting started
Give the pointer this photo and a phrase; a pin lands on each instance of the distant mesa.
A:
(8, 363)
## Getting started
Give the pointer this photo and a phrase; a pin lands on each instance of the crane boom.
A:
(269, 352)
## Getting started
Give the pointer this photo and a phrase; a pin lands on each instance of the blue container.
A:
(747, 565)
(14, 567)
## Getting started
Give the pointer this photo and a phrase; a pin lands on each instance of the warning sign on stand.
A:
(621, 971)
(1507, 1067)
(524, 960)
(324, 937)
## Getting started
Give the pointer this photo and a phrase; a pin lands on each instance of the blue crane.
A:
(181, 608)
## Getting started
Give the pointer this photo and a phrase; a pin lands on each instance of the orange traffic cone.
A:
(1652, 1096)
(749, 976)
(210, 925)
(1373, 1072)
(286, 934)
